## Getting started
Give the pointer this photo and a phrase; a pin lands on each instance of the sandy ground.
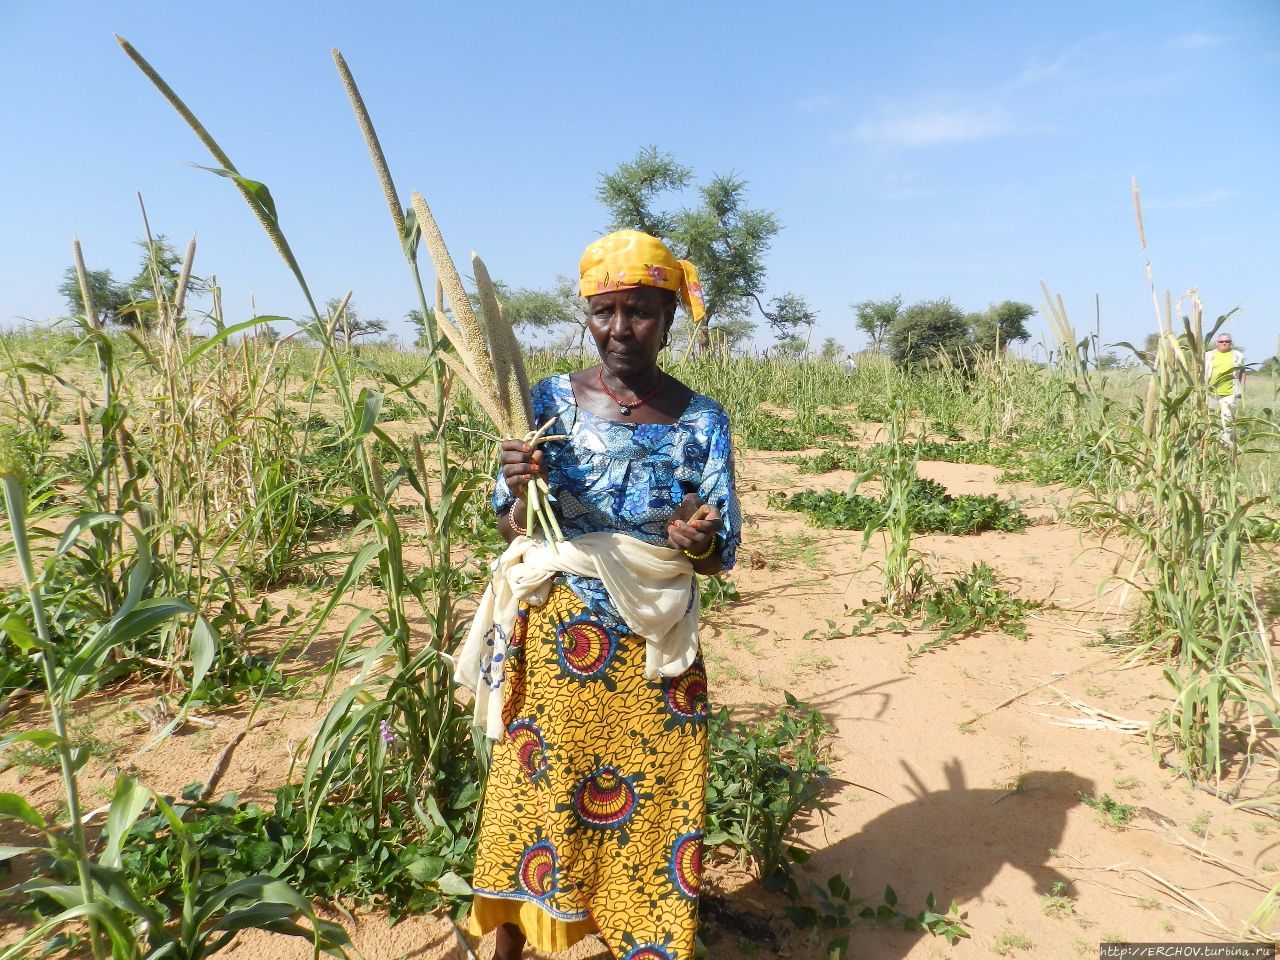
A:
(958, 773)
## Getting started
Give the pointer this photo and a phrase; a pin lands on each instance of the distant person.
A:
(1224, 373)
(850, 364)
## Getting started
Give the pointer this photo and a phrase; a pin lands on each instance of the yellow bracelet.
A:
(711, 547)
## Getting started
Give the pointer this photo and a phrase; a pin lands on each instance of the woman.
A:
(595, 800)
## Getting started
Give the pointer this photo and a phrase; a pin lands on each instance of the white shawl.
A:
(652, 587)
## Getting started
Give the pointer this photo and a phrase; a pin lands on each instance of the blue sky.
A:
(923, 149)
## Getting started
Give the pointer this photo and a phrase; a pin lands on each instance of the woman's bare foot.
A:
(510, 943)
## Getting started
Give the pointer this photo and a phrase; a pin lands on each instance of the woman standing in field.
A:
(592, 684)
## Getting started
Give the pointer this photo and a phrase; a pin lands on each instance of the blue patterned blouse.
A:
(629, 477)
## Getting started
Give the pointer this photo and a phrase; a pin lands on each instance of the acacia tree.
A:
(928, 330)
(558, 306)
(1001, 324)
(351, 326)
(133, 304)
(109, 297)
(721, 235)
(876, 317)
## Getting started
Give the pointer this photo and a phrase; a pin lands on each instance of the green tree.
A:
(729, 336)
(876, 317)
(419, 325)
(108, 295)
(720, 234)
(928, 330)
(1001, 323)
(134, 304)
(159, 270)
(557, 306)
(791, 319)
(630, 192)
(832, 349)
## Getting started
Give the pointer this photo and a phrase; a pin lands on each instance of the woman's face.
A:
(628, 327)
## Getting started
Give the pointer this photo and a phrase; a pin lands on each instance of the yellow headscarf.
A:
(628, 258)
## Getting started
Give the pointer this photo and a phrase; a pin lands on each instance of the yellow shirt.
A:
(1221, 379)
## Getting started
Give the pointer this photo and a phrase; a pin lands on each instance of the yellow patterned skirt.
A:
(594, 807)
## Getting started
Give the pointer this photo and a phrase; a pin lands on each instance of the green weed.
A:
(1056, 904)
(716, 593)
(1111, 813)
(833, 907)
(1007, 941)
(812, 663)
(930, 509)
(764, 779)
(970, 603)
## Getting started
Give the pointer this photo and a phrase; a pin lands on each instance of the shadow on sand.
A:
(951, 842)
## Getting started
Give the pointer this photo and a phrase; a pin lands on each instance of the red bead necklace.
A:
(624, 406)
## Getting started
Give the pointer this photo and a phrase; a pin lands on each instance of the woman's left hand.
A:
(694, 535)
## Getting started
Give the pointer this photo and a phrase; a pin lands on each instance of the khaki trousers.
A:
(1227, 408)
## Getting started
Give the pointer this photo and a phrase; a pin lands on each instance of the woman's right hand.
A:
(520, 464)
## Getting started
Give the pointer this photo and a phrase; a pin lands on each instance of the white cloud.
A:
(930, 126)
(1209, 198)
(1194, 41)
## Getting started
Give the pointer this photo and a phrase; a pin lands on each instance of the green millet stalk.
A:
(13, 481)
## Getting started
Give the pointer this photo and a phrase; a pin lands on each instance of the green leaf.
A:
(804, 918)
(44, 739)
(260, 889)
(79, 757)
(127, 804)
(222, 335)
(8, 853)
(145, 617)
(116, 887)
(369, 404)
(454, 886)
(257, 193)
(426, 869)
(412, 235)
(13, 807)
(122, 629)
(204, 646)
(16, 629)
(80, 525)
(890, 897)
(124, 944)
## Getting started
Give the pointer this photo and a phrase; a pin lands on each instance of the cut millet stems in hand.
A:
(538, 506)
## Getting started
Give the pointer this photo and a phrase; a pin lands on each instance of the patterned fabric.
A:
(629, 477)
(627, 259)
(595, 802)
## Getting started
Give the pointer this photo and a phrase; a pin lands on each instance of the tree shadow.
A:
(950, 842)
